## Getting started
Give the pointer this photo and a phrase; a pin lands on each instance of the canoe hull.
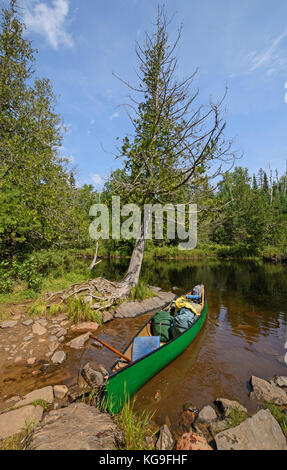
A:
(122, 385)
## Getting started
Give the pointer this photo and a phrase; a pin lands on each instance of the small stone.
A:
(42, 394)
(192, 441)
(76, 392)
(8, 324)
(225, 406)
(53, 346)
(27, 322)
(53, 339)
(207, 415)
(64, 323)
(107, 317)
(165, 440)
(38, 329)
(94, 374)
(28, 338)
(97, 344)
(61, 332)
(59, 357)
(85, 326)
(266, 392)
(62, 339)
(18, 359)
(60, 391)
(280, 381)
(42, 322)
(79, 342)
(61, 317)
(31, 361)
(185, 421)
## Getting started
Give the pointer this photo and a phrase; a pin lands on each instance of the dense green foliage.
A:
(40, 205)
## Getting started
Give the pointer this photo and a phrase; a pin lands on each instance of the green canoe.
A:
(125, 379)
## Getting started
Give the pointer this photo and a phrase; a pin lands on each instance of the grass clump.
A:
(136, 428)
(235, 416)
(141, 292)
(55, 309)
(38, 309)
(13, 442)
(79, 311)
(18, 441)
(278, 414)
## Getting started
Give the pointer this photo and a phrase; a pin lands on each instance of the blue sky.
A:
(239, 44)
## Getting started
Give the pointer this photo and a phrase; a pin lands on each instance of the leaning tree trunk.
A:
(100, 293)
(131, 278)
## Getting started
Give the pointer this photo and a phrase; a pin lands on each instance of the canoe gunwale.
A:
(112, 374)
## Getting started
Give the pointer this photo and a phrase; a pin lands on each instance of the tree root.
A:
(105, 293)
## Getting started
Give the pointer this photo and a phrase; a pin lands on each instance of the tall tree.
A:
(32, 176)
(176, 141)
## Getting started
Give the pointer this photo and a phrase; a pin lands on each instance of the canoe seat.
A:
(144, 345)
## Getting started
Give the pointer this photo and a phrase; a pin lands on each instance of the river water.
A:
(245, 334)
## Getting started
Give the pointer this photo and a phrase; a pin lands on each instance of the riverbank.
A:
(54, 270)
(48, 418)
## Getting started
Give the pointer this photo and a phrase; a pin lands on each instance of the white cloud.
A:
(97, 179)
(92, 122)
(115, 115)
(49, 21)
(269, 56)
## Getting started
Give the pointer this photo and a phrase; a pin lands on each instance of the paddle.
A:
(111, 348)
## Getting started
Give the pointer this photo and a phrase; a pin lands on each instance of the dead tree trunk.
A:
(133, 273)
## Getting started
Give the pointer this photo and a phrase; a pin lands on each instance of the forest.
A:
(44, 217)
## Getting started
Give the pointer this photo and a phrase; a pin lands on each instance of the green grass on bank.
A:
(136, 428)
(141, 292)
(279, 416)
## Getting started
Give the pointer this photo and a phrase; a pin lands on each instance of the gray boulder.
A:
(165, 440)
(207, 415)
(59, 357)
(261, 432)
(94, 374)
(79, 341)
(133, 309)
(76, 427)
(107, 317)
(42, 394)
(267, 392)
(225, 406)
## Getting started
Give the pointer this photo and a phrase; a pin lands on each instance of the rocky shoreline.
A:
(48, 417)
(59, 418)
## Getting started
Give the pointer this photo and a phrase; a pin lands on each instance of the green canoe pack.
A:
(161, 323)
